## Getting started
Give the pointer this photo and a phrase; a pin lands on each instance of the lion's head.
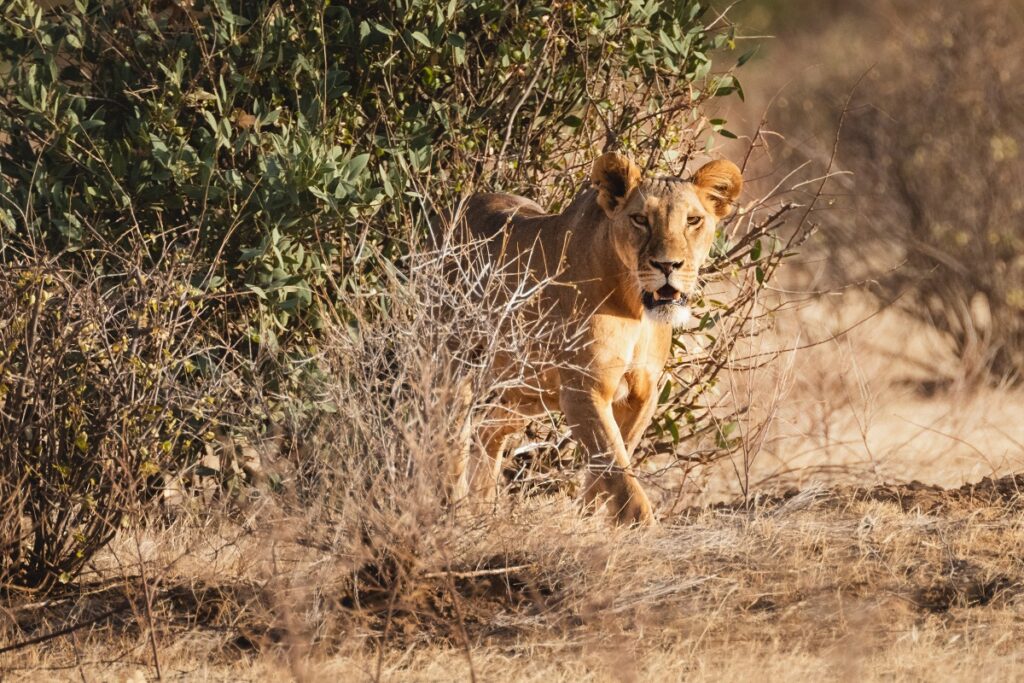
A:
(664, 227)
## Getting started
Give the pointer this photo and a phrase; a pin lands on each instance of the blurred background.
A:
(911, 330)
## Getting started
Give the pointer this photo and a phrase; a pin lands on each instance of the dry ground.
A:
(870, 397)
(894, 582)
(814, 553)
(838, 565)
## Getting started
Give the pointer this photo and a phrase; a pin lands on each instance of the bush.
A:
(100, 391)
(274, 138)
(280, 161)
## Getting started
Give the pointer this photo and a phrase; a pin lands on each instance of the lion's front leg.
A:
(634, 416)
(593, 425)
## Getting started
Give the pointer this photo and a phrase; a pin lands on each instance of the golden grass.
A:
(843, 583)
(879, 399)
(836, 569)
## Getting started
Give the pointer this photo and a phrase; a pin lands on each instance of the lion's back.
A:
(488, 213)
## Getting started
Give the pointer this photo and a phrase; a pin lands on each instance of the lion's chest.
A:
(636, 382)
(639, 365)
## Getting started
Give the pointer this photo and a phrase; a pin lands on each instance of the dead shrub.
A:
(411, 373)
(102, 387)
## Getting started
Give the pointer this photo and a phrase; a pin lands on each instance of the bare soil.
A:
(873, 582)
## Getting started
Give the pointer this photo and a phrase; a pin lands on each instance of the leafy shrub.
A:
(268, 135)
(284, 159)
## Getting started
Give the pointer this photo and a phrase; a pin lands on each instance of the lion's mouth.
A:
(665, 296)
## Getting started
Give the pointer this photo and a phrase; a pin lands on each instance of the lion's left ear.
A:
(719, 184)
(615, 176)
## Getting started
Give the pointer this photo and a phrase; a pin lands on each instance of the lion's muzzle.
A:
(666, 295)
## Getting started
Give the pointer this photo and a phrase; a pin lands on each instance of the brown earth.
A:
(875, 582)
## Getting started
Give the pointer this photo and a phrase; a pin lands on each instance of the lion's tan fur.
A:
(621, 238)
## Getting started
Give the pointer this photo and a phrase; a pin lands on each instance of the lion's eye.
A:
(694, 221)
(639, 220)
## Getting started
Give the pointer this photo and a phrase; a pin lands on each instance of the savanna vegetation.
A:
(230, 379)
(223, 194)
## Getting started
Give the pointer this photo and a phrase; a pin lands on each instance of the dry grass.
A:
(845, 579)
(877, 397)
(806, 555)
(891, 582)
(850, 577)
(838, 581)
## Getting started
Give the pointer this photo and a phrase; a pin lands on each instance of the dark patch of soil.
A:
(1005, 493)
(430, 603)
(947, 594)
(964, 583)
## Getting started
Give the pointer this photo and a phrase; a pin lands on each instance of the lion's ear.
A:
(615, 176)
(719, 184)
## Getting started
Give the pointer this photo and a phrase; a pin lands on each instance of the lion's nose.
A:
(667, 266)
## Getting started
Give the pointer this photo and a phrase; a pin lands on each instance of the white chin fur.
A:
(676, 316)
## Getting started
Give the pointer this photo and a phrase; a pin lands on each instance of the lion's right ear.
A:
(615, 176)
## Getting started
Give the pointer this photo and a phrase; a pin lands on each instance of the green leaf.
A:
(673, 428)
(270, 117)
(666, 391)
(320, 194)
(355, 166)
(723, 438)
(745, 57)
(381, 28)
(422, 39)
(755, 251)
(258, 291)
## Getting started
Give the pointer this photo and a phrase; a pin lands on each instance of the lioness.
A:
(629, 250)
